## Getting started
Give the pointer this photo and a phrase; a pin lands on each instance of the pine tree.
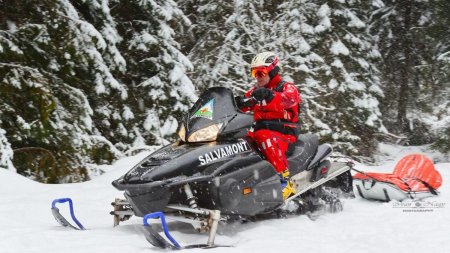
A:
(413, 40)
(42, 114)
(156, 68)
(84, 82)
(227, 35)
(323, 48)
(331, 58)
(437, 88)
(394, 25)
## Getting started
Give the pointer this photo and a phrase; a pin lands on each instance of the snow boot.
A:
(286, 184)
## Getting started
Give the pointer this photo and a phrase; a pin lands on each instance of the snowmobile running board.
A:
(60, 219)
(303, 184)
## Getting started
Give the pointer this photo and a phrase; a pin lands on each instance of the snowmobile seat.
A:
(302, 152)
(290, 150)
(302, 139)
(414, 177)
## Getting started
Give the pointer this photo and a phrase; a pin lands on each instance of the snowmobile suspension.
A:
(192, 201)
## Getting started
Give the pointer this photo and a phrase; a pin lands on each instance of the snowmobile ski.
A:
(60, 219)
(154, 238)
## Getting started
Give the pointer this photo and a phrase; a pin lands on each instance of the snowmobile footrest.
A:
(60, 219)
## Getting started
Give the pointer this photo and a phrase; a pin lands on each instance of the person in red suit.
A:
(275, 104)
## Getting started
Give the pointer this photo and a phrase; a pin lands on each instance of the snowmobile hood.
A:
(180, 161)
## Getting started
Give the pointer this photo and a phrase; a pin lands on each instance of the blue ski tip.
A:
(60, 219)
(157, 215)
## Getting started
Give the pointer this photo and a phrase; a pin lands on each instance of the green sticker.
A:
(206, 111)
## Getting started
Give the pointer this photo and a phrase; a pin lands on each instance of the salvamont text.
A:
(223, 152)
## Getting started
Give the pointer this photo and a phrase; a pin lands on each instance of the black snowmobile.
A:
(214, 172)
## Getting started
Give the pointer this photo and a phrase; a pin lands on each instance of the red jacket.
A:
(284, 105)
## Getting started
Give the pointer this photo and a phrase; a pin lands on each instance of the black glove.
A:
(261, 94)
(243, 101)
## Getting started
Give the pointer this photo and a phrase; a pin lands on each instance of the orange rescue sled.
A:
(414, 177)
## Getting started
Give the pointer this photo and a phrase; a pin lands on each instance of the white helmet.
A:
(265, 59)
(265, 63)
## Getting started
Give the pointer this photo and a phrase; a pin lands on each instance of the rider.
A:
(275, 104)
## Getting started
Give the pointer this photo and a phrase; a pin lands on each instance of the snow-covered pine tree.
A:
(323, 49)
(156, 68)
(392, 24)
(6, 153)
(44, 123)
(42, 115)
(413, 40)
(227, 35)
(331, 58)
(438, 86)
(83, 81)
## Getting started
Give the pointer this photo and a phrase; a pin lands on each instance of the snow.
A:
(353, 84)
(324, 12)
(303, 46)
(307, 29)
(12, 27)
(170, 126)
(10, 45)
(127, 114)
(378, 3)
(22, 123)
(176, 74)
(6, 153)
(338, 48)
(443, 56)
(141, 41)
(354, 20)
(165, 32)
(337, 63)
(333, 84)
(152, 120)
(363, 226)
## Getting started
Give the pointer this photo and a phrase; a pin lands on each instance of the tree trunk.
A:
(406, 72)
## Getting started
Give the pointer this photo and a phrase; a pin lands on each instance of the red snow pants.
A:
(273, 145)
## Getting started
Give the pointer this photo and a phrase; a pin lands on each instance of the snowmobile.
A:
(215, 173)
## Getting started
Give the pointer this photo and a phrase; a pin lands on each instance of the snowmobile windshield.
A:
(207, 115)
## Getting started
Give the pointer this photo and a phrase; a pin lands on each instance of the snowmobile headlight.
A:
(205, 134)
(182, 133)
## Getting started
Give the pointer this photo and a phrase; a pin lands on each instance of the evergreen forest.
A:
(86, 82)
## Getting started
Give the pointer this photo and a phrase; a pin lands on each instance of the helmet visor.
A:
(259, 72)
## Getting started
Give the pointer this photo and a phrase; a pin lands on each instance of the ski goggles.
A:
(259, 72)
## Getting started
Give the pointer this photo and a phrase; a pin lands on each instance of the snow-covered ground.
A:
(28, 226)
